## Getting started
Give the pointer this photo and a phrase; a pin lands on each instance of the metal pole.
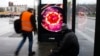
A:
(65, 10)
(97, 31)
(73, 14)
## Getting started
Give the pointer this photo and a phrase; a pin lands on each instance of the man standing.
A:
(27, 26)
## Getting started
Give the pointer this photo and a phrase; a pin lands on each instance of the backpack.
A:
(17, 26)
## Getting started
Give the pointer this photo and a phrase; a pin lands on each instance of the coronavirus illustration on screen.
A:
(52, 17)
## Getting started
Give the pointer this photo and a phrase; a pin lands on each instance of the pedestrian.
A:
(27, 26)
(69, 45)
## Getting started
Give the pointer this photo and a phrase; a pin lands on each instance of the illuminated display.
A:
(52, 17)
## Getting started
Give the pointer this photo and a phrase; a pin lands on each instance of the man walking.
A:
(27, 26)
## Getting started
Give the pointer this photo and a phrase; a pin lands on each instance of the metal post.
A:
(97, 31)
(38, 19)
(73, 14)
(65, 10)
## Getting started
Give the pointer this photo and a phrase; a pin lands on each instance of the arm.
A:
(33, 22)
(21, 15)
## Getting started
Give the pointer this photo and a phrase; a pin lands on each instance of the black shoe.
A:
(16, 53)
(31, 54)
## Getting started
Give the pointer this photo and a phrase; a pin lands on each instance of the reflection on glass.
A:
(82, 18)
(69, 14)
(85, 25)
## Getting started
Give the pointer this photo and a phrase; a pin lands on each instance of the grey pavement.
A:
(9, 41)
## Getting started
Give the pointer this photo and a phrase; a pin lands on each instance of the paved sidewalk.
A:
(9, 41)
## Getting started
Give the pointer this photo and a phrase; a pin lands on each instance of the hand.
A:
(51, 50)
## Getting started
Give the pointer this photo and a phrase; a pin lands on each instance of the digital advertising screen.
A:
(52, 17)
(50, 20)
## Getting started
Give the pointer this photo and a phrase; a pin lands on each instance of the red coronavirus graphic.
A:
(52, 19)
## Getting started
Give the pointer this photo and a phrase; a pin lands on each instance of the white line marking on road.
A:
(85, 36)
(92, 30)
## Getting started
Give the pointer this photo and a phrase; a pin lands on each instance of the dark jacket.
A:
(69, 46)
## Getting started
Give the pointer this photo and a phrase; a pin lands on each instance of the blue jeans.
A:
(30, 37)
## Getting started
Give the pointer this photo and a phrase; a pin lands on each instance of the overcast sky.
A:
(4, 3)
(86, 1)
(30, 3)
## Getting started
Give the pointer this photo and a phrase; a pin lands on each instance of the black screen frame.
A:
(42, 34)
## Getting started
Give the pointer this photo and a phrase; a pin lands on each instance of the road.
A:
(87, 29)
(86, 35)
